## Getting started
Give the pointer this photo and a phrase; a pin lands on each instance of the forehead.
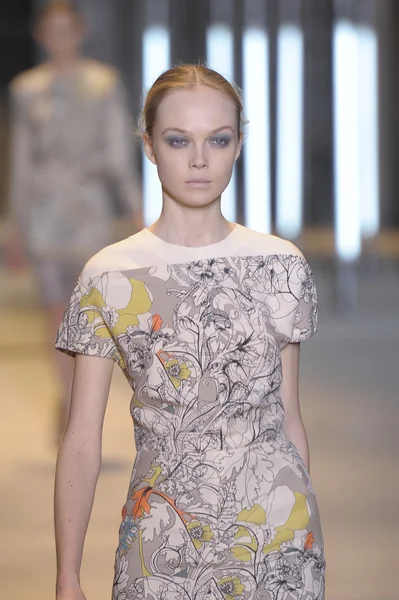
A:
(201, 106)
(59, 18)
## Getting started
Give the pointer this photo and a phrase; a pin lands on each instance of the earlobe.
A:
(149, 150)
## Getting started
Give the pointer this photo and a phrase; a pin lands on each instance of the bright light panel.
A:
(369, 144)
(290, 74)
(220, 57)
(156, 53)
(257, 146)
(346, 137)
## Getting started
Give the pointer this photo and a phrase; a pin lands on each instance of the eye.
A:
(177, 142)
(220, 142)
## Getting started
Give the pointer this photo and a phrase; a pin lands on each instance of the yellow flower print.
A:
(133, 299)
(177, 372)
(294, 517)
(199, 533)
(231, 587)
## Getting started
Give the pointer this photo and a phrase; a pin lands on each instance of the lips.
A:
(198, 181)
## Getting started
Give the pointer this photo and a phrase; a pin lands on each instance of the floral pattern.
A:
(220, 505)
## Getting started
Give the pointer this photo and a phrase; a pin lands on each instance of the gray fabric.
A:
(71, 152)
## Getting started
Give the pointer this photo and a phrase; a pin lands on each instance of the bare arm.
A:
(290, 396)
(78, 467)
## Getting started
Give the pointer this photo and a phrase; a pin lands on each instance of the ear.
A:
(238, 151)
(149, 149)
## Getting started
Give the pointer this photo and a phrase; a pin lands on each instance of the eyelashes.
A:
(215, 142)
(220, 141)
(177, 142)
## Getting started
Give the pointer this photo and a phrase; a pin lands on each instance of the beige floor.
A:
(350, 406)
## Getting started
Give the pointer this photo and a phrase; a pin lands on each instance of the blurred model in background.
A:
(72, 155)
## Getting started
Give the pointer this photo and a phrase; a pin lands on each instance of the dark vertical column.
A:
(388, 26)
(272, 18)
(389, 113)
(318, 113)
(188, 21)
(102, 30)
(128, 19)
(221, 11)
(16, 55)
(130, 22)
(16, 45)
(238, 20)
(155, 11)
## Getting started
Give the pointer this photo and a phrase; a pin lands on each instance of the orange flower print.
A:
(309, 541)
(142, 504)
(156, 323)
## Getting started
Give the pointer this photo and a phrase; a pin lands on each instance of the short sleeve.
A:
(84, 329)
(305, 317)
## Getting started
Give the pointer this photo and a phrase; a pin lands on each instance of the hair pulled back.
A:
(183, 77)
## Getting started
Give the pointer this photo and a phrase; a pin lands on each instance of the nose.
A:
(199, 159)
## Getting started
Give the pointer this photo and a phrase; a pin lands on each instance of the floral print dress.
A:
(220, 505)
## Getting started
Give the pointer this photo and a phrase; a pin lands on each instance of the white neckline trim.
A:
(180, 248)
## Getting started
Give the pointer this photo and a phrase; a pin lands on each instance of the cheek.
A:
(223, 161)
(172, 166)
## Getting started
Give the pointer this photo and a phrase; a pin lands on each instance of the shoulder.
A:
(266, 243)
(100, 78)
(30, 81)
(125, 255)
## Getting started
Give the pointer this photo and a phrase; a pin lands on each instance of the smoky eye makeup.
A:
(220, 141)
(216, 141)
(176, 141)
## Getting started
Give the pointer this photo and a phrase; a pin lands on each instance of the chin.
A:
(196, 203)
(199, 200)
(195, 198)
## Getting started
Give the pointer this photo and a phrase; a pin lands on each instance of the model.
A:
(72, 153)
(204, 317)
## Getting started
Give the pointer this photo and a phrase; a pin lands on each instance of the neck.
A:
(65, 64)
(187, 226)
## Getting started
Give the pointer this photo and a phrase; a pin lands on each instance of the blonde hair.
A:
(182, 77)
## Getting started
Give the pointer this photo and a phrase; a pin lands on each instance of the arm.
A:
(121, 152)
(20, 174)
(290, 396)
(78, 468)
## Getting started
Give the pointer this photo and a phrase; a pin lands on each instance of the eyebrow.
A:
(185, 131)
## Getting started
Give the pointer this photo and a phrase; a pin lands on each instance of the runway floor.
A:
(350, 405)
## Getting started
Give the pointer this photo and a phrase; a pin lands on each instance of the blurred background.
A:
(319, 167)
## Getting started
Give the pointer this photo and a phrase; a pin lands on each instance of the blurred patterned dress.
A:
(71, 154)
(220, 505)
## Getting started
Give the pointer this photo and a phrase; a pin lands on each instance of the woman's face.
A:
(60, 34)
(194, 144)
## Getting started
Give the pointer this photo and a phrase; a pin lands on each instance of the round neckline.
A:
(180, 247)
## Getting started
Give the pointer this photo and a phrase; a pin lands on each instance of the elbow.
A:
(82, 450)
